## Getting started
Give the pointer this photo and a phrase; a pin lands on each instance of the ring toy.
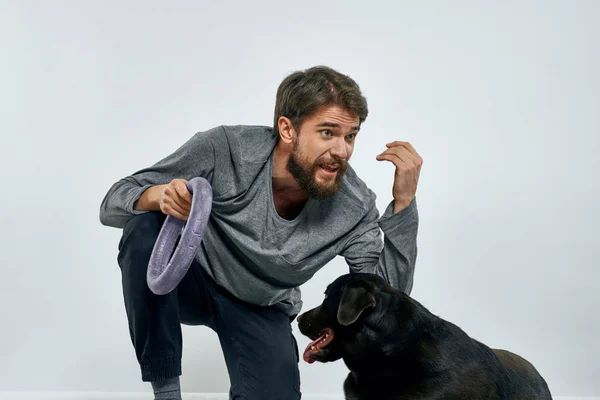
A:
(165, 272)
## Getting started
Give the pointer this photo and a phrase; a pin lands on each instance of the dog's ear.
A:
(357, 297)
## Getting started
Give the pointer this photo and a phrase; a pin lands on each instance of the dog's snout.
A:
(299, 317)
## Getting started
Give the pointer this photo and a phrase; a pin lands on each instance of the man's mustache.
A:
(343, 164)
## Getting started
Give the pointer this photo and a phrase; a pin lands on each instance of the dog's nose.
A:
(299, 317)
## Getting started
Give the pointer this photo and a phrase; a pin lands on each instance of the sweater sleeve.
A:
(392, 256)
(194, 158)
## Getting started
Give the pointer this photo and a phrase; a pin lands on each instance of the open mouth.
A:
(318, 343)
(330, 168)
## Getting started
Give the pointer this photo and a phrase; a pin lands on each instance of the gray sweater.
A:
(248, 248)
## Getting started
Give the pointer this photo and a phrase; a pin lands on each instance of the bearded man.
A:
(285, 203)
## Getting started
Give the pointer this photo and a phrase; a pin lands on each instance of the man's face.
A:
(321, 151)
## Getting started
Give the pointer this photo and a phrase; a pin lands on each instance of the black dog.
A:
(396, 349)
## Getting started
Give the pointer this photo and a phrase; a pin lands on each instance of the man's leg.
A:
(154, 320)
(260, 350)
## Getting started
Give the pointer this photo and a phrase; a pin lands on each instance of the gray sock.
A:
(167, 389)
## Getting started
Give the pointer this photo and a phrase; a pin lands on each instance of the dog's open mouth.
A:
(315, 347)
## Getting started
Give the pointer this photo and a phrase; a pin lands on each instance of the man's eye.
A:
(326, 133)
(351, 136)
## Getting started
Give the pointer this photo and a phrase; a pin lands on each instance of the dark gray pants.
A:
(259, 348)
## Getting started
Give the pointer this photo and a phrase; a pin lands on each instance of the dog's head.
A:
(338, 326)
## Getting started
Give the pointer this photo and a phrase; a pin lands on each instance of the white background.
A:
(501, 101)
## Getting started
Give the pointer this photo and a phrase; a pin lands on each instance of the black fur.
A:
(396, 349)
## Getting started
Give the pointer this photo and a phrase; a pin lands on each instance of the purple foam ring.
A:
(163, 274)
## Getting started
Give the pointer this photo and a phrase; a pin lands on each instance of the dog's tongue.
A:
(317, 344)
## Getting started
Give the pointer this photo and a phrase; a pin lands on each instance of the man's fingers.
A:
(182, 202)
(170, 208)
(184, 193)
(403, 145)
(392, 157)
(403, 154)
(178, 215)
(181, 205)
(178, 195)
(408, 146)
(177, 199)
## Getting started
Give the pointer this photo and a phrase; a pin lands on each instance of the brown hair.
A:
(302, 93)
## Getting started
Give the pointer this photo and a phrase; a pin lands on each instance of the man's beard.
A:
(305, 175)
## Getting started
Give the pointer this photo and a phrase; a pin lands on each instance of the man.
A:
(285, 202)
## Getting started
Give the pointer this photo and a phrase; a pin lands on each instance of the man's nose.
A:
(340, 149)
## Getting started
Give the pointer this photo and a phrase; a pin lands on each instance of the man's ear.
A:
(357, 297)
(286, 130)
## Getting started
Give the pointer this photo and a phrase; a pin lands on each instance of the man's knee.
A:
(141, 231)
(138, 239)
